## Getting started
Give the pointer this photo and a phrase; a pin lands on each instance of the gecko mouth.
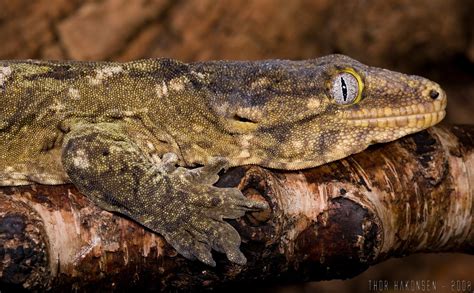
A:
(413, 116)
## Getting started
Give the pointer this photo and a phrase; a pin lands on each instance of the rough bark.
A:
(412, 195)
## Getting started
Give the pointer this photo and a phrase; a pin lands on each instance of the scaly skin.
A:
(128, 134)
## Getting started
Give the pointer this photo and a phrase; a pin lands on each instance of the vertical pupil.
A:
(344, 89)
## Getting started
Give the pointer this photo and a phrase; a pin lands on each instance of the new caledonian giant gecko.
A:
(148, 138)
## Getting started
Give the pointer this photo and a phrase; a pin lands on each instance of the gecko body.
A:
(148, 138)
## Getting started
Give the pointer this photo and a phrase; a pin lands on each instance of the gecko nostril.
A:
(434, 94)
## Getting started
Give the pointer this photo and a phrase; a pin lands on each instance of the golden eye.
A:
(346, 87)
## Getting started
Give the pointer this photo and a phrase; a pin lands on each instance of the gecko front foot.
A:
(181, 204)
(196, 225)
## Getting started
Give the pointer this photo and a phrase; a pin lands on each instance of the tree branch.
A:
(412, 195)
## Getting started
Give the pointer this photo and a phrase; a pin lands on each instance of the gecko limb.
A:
(179, 203)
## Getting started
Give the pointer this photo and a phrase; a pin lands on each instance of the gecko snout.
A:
(434, 97)
(435, 92)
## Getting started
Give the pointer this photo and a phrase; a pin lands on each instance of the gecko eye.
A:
(346, 87)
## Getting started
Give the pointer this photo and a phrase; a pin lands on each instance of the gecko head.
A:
(388, 104)
(338, 107)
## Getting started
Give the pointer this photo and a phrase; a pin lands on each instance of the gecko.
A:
(148, 138)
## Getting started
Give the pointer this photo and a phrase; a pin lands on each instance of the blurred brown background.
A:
(433, 38)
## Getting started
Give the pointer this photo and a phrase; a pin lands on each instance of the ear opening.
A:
(239, 124)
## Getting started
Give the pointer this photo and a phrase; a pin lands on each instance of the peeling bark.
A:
(412, 195)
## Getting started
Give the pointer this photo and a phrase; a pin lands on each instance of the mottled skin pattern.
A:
(147, 138)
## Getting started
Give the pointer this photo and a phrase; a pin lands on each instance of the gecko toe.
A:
(202, 251)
